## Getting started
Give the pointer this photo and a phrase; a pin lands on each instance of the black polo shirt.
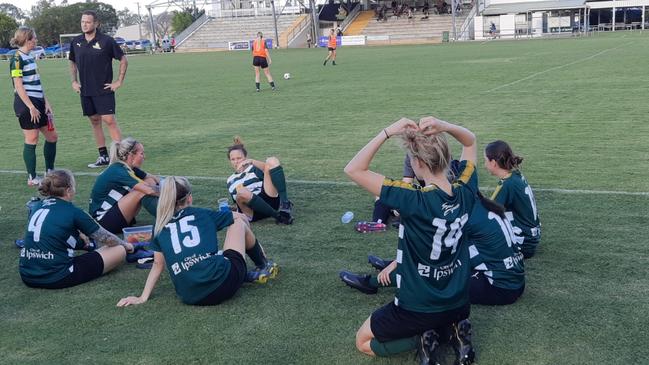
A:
(94, 61)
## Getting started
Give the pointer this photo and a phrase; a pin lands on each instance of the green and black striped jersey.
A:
(494, 248)
(251, 177)
(189, 245)
(51, 238)
(432, 256)
(516, 195)
(24, 66)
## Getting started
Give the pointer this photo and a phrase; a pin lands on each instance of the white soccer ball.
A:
(287, 76)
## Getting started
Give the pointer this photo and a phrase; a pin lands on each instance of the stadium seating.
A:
(217, 32)
(403, 29)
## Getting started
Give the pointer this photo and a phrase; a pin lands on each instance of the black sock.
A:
(272, 84)
(258, 204)
(381, 212)
(278, 179)
(256, 254)
(103, 151)
(325, 62)
(49, 151)
(257, 85)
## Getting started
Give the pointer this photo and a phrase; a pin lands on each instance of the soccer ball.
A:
(287, 76)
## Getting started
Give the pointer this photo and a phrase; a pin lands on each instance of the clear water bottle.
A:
(347, 217)
(224, 206)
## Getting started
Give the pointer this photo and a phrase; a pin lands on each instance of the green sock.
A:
(29, 155)
(278, 179)
(394, 347)
(49, 151)
(259, 205)
(150, 203)
(256, 254)
(374, 280)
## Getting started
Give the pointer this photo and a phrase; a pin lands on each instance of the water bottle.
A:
(32, 205)
(347, 217)
(223, 205)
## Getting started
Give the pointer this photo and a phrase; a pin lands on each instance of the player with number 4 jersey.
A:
(185, 241)
(514, 193)
(432, 257)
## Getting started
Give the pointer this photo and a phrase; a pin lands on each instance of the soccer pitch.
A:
(576, 109)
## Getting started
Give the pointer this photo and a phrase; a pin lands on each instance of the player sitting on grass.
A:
(432, 285)
(123, 188)
(498, 270)
(184, 238)
(47, 260)
(258, 188)
(514, 193)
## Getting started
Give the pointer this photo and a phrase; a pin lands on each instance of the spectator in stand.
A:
(309, 40)
(426, 10)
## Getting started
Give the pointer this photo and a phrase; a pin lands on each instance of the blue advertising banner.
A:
(322, 41)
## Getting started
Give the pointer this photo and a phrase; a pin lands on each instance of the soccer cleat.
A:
(427, 348)
(285, 211)
(333, 63)
(101, 162)
(145, 263)
(271, 268)
(257, 90)
(138, 254)
(20, 243)
(377, 262)
(358, 282)
(33, 181)
(461, 342)
(257, 276)
(365, 227)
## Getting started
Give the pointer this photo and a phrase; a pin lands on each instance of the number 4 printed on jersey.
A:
(36, 223)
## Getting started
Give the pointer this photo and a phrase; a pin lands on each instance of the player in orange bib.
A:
(261, 58)
(331, 46)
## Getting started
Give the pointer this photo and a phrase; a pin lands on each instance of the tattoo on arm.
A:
(103, 237)
(73, 71)
(123, 65)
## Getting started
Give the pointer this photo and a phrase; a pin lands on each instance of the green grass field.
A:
(576, 109)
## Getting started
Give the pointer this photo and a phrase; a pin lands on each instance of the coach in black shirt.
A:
(91, 56)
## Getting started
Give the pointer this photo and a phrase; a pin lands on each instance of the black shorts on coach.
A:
(98, 105)
(260, 62)
(25, 118)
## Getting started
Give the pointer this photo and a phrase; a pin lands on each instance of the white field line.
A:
(348, 183)
(557, 67)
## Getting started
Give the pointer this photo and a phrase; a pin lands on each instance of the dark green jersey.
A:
(51, 238)
(251, 177)
(516, 195)
(111, 185)
(432, 256)
(188, 243)
(494, 248)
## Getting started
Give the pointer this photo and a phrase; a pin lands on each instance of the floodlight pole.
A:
(316, 24)
(453, 13)
(155, 40)
(272, 4)
(139, 20)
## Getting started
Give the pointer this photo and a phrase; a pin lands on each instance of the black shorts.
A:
(98, 105)
(113, 221)
(484, 293)
(392, 323)
(25, 118)
(87, 267)
(232, 283)
(273, 202)
(260, 62)
(331, 48)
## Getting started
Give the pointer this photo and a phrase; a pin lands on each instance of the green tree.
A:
(7, 28)
(180, 21)
(56, 20)
(13, 11)
(126, 18)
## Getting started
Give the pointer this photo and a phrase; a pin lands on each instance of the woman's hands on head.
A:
(428, 125)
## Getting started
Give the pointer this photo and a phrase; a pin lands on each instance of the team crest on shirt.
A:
(448, 208)
(424, 270)
(96, 46)
(175, 268)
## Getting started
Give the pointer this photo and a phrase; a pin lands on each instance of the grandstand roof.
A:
(518, 8)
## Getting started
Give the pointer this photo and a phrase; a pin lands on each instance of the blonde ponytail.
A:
(174, 193)
(432, 150)
(119, 150)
